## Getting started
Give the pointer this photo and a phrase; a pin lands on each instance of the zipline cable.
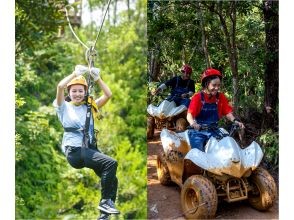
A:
(102, 23)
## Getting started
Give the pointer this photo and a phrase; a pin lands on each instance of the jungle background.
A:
(239, 38)
(38, 33)
(46, 187)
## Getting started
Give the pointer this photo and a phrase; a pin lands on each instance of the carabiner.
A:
(91, 54)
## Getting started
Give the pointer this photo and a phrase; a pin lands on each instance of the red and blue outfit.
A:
(179, 87)
(206, 111)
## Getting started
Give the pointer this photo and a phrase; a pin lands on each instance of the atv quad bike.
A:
(167, 115)
(223, 172)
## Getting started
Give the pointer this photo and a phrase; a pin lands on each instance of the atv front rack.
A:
(236, 190)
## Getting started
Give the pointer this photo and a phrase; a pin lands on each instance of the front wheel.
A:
(198, 198)
(264, 191)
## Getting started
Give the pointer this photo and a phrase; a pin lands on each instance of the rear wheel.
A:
(181, 124)
(162, 170)
(264, 192)
(198, 198)
(150, 127)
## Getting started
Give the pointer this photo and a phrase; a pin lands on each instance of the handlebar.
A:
(204, 127)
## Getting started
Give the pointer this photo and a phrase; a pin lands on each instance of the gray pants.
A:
(103, 165)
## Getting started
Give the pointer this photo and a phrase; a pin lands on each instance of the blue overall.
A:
(176, 95)
(207, 116)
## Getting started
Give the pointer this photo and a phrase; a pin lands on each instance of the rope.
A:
(91, 52)
(66, 13)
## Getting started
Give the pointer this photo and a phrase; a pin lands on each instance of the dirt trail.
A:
(164, 201)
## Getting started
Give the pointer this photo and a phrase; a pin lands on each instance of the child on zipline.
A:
(71, 111)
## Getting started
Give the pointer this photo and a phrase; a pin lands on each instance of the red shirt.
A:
(223, 105)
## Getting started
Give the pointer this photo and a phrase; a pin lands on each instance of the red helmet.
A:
(210, 72)
(187, 69)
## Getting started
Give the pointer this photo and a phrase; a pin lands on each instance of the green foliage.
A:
(33, 28)
(270, 143)
(175, 36)
(47, 187)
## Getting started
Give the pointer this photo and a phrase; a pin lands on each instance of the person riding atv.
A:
(172, 111)
(183, 87)
(207, 163)
(222, 172)
(207, 107)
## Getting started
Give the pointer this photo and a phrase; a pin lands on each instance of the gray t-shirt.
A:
(74, 117)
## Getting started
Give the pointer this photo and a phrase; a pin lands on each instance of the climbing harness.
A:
(90, 56)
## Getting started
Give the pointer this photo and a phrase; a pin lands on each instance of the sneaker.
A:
(103, 216)
(107, 205)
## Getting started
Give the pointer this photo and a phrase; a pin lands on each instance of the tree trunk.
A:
(184, 60)
(151, 67)
(231, 47)
(193, 52)
(154, 67)
(204, 38)
(271, 74)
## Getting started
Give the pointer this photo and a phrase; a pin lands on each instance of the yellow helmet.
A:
(80, 80)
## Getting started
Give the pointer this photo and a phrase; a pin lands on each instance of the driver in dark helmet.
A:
(183, 87)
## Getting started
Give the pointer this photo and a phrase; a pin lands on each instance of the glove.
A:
(185, 95)
(80, 70)
(196, 126)
(95, 73)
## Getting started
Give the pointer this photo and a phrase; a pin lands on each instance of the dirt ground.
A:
(164, 201)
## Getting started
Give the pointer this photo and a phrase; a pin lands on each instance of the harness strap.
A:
(95, 110)
(72, 129)
(86, 138)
